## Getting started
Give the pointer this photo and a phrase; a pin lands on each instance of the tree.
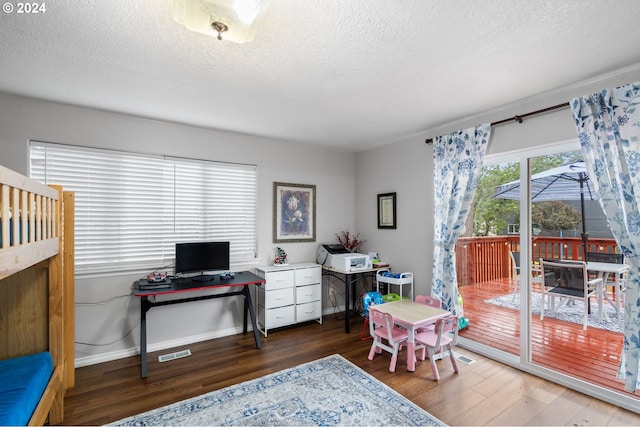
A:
(555, 216)
(489, 215)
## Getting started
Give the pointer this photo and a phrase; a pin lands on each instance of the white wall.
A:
(406, 167)
(102, 320)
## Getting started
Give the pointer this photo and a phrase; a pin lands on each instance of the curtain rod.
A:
(518, 118)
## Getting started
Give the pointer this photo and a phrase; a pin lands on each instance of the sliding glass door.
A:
(501, 277)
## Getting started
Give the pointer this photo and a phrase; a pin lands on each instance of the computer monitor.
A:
(197, 257)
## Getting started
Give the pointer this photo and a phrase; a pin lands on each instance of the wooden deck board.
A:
(592, 355)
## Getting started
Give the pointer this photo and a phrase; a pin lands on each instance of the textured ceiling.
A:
(345, 73)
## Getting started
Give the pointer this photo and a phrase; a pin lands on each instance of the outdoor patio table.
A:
(603, 270)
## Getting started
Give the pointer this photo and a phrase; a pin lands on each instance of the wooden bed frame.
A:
(37, 282)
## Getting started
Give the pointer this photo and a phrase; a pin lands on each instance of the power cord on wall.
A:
(103, 302)
(332, 298)
(111, 342)
(362, 285)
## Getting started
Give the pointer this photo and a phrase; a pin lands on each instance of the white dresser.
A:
(291, 294)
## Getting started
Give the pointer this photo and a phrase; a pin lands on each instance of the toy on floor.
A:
(463, 322)
(368, 299)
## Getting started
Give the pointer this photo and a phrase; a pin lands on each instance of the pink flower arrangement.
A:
(350, 241)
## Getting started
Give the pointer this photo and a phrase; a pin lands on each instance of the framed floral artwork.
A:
(294, 212)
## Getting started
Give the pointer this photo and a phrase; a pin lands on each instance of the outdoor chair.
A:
(382, 329)
(617, 282)
(443, 336)
(567, 281)
(534, 277)
(605, 257)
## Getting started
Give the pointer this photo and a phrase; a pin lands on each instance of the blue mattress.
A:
(20, 241)
(22, 382)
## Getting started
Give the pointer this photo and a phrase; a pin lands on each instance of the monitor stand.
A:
(203, 278)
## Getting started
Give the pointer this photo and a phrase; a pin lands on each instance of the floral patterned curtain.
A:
(608, 126)
(456, 171)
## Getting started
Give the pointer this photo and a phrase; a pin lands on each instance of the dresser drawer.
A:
(278, 297)
(279, 279)
(308, 293)
(308, 276)
(310, 311)
(275, 317)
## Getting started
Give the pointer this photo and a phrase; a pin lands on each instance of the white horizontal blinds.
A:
(217, 202)
(129, 210)
(122, 211)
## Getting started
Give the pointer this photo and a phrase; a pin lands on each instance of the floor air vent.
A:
(174, 356)
(464, 359)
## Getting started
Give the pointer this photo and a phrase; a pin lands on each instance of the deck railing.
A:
(481, 259)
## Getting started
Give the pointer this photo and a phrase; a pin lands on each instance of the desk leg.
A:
(144, 307)
(248, 306)
(347, 306)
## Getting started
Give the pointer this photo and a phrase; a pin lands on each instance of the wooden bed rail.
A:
(29, 223)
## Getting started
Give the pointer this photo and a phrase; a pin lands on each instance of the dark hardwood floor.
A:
(485, 392)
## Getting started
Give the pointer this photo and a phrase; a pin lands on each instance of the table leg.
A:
(411, 351)
(604, 296)
(347, 305)
(248, 306)
(144, 307)
(603, 289)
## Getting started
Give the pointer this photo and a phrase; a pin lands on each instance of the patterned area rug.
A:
(326, 392)
(570, 313)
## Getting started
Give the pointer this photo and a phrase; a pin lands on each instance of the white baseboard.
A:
(134, 351)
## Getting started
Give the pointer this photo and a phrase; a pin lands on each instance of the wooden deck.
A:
(592, 355)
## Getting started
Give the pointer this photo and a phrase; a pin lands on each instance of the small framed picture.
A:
(387, 210)
(294, 212)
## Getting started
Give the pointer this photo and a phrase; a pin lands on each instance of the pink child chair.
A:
(445, 335)
(382, 329)
(431, 301)
(428, 300)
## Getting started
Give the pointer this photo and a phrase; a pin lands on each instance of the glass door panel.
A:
(568, 223)
(488, 263)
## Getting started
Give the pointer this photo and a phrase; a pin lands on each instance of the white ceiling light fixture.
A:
(232, 20)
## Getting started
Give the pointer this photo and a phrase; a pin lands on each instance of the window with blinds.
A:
(131, 209)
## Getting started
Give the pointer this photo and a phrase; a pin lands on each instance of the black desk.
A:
(348, 278)
(243, 279)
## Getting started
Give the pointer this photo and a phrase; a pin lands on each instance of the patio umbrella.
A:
(566, 182)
